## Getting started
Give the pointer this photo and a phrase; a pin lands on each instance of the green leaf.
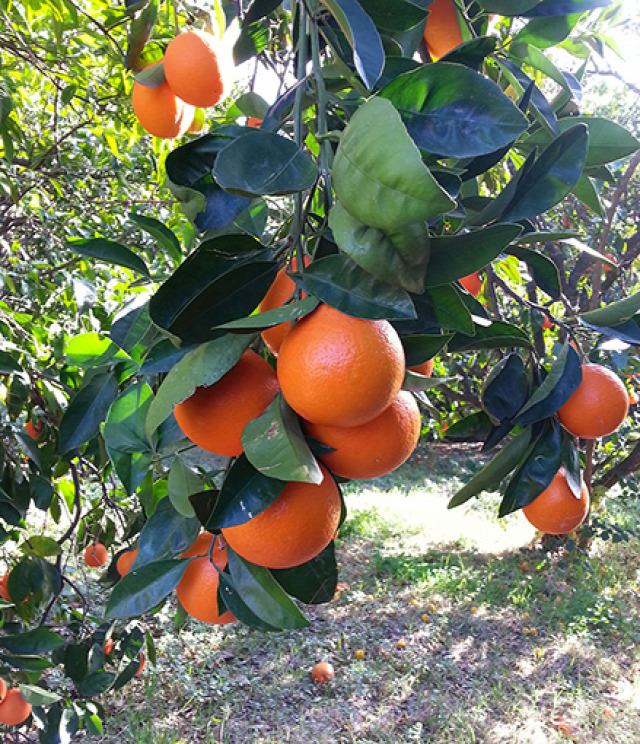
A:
(274, 444)
(38, 695)
(340, 282)
(269, 318)
(562, 7)
(262, 162)
(506, 388)
(400, 260)
(508, 7)
(87, 410)
(497, 335)
(76, 662)
(245, 493)
(165, 237)
(313, 582)
(543, 270)
(8, 364)
(455, 256)
(95, 684)
(33, 642)
(263, 595)
(451, 110)
(165, 534)
(238, 608)
(586, 192)
(420, 348)
(93, 350)
(108, 251)
(182, 483)
(547, 32)
(536, 472)
(44, 546)
(472, 428)
(385, 192)
(143, 588)
(438, 307)
(203, 366)
(401, 16)
(363, 37)
(41, 492)
(27, 663)
(615, 313)
(494, 472)
(561, 382)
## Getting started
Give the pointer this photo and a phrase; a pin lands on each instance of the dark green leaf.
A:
(472, 428)
(547, 32)
(160, 233)
(439, 307)
(259, 9)
(543, 270)
(108, 251)
(508, 7)
(238, 608)
(95, 684)
(506, 388)
(143, 588)
(401, 16)
(76, 663)
(33, 642)
(562, 7)
(38, 695)
(41, 492)
(132, 324)
(165, 534)
(27, 663)
(253, 40)
(313, 582)
(8, 364)
(497, 335)
(183, 483)
(571, 463)
(87, 410)
(614, 314)
(420, 348)
(270, 318)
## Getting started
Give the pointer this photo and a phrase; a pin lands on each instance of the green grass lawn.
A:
(471, 633)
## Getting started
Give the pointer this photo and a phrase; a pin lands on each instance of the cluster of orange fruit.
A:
(14, 709)
(195, 77)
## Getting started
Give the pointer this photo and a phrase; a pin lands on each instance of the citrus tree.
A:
(202, 338)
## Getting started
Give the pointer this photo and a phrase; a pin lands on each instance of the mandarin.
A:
(426, 368)
(125, 561)
(14, 709)
(192, 68)
(338, 370)
(34, 430)
(442, 32)
(159, 111)
(3, 689)
(95, 555)
(375, 448)
(556, 510)
(214, 417)
(322, 672)
(472, 283)
(297, 526)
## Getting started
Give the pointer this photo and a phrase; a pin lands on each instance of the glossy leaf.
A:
(238, 608)
(547, 32)
(402, 16)
(497, 335)
(422, 347)
(508, 7)
(165, 237)
(586, 192)
(245, 493)
(165, 534)
(390, 192)
(472, 428)
(563, 7)
(451, 110)
(313, 582)
(93, 350)
(95, 684)
(340, 282)
(543, 270)
(182, 483)
(495, 471)
(437, 308)
(506, 388)
(132, 324)
(628, 332)
(87, 410)
(39, 641)
(269, 318)
(143, 588)
(8, 364)
(108, 251)
(263, 595)
(38, 695)
(614, 314)
(363, 37)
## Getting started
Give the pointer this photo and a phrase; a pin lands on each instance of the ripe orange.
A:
(426, 368)
(198, 588)
(557, 511)
(14, 709)
(3, 689)
(160, 112)
(254, 122)
(34, 430)
(599, 405)
(322, 672)
(547, 323)
(192, 68)
(4, 592)
(214, 417)
(125, 561)
(279, 292)
(95, 555)
(472, 283)
(375, 448)
(442, 33)
(142, 663)
(299, 524)
(339, 370)
(108, 647)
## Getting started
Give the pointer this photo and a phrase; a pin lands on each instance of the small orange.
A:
(14, 709)
(279, 293)
(557, 511)
(143, 661)
(322, 672)
(125, 561)
(3, 689)
(297, 526)
(442, 32)
(214, 417)
(547, 323)
(95, 555)
(472, 283)
(198, 588)
(254, 122)
(192, 68)
(375, 448)
(34, 430)
(426, 368)
(159, 111)
(4, 591)
(108, 647)
(339, 370)
(359, 654)
(599, 405)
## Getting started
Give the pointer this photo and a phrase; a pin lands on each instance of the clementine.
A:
(108, 647)
(557, 511)
(125, 561)
(95, 555)
(198, 588)
(159, 111)
(426, 368)
(192, 68)
(214, 417)
(338, 370)
(322, 672)
(375, 448)
(472, 283)
(143, 661)
(547, 323)
(34, 430)
(3, 689)
(254, 122)
(599, 405)
(442, 32)
(297, 526)
(14, 709)
(4, 591)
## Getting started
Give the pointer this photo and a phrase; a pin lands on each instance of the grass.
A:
(472, 632)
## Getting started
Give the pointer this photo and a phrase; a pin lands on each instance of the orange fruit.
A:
(254, 122)
(192, 68)
(34, 430)
(108, 646)
(14, 709)
(547, 323)
(426, 368)
(214, 417)
(339, 370)
(322, 672)
(557, 511)
(299, 524)
(375, 448)
(359, 654)
(3, 689)
(279, 292)
(4, 591)
(125, 561)
(95, 555)
(143, 661)
(198, 588)
(442, 32)
(599, 405)
(472, 283)
(160, 112)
